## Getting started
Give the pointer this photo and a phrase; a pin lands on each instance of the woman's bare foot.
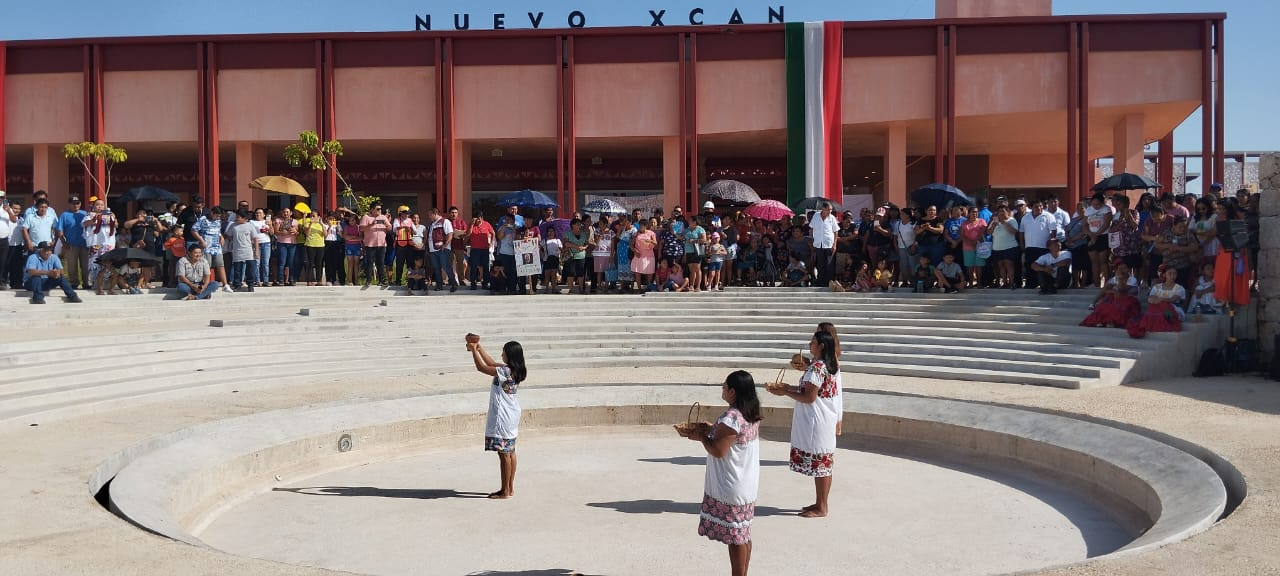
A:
(813, 513)
(809, 508)
(499, 495)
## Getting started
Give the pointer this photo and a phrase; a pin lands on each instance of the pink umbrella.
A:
(771, 210)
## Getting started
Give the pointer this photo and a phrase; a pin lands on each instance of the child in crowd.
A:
(950, 276)
(745, 264)
(862, 282)
(417, 276)
(675, 280)
(1202, 300)
(127, 277)
(883, 277)
(551, 246)
(924, 276)
(716, 254)
(796, 275)
(766, 269)
(175, 248)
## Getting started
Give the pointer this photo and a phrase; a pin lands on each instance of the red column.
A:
(445, 196)
(99, 167)
(321, 191)
(1164, 163)
(683, 81)
(1073, 117)
(439, 112)
(572, 192)
(951, 105)
(1086, 159)
(939, 103)
(1207, 169)
(3, 174)
(211, 117)
(1219, 110)
(561, 78)
(202, 124)
(691, 193)
(330, 129)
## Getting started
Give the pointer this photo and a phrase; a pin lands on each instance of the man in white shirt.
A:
(823, 231)
(438, 236)
(1053, 268)
(1036, 228)
(1063, 217)
(8, 223)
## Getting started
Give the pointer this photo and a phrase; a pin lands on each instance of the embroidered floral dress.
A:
(731, 485)
(503, 424)
(813, 426)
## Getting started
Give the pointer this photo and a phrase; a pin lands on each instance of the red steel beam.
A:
(1206, 109)
(691, 193)
(561, 78)
(202, 125)
(318, 63)
(939, 103)
(99, 166)
(3, 173)
(571, 87)
(215, 161)
(439, 112)
(1164, 163)
(1073, 116)
(330, 127)
(1219, 107)
(683, 80)
(447, 103)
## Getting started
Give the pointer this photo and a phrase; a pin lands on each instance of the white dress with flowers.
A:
(813, 426)
(731, 484)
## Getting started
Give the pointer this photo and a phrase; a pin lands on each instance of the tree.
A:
(87, 152)
(310, 151)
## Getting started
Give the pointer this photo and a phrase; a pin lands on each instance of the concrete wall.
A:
(44, 108)
(1269, 256)
(155, 106)
(393, 103)
(266, 105)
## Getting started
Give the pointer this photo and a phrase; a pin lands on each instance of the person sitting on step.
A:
(949, 274)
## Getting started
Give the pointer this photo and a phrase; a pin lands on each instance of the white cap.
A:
(709, 204)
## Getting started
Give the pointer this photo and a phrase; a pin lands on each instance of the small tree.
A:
(364, 203)
(310, 151)
(86, 152)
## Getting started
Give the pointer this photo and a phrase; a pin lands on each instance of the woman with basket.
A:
(503, 422)
(733, 469)
(814, 419)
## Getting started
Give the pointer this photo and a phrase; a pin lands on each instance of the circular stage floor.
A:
(624, 500)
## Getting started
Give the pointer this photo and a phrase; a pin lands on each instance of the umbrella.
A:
(771, 210)
(941, 195)
(560, 224)
(280, 185)
(604, 206)
(731, 191)
(1125, 181)
(302, 208)
(528, 199)
(149, 193)
(125, 254)
(815, 203)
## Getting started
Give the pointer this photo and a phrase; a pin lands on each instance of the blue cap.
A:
(1217, 185)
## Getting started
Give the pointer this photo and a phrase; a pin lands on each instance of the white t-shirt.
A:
(905, 233)
(1132, 282)
(1175, 295)
(504, 406)
(259, 236)
(1062, 216)
(443, 224)
(6, 227)
(1003, 238)
(1096, 216)
(1047, 258)
(1037, 229)
(824, 231)
(553, 247)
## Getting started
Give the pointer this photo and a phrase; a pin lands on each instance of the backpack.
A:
(437, 237)
(1212, 363)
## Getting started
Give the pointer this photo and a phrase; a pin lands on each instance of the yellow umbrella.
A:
(302, 208)
(280, 185)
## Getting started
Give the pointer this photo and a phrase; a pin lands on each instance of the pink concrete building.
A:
(993, 94)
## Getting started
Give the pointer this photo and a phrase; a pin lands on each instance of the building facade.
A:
(995, 95)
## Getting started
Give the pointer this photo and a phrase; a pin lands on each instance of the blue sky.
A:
(1250, 122)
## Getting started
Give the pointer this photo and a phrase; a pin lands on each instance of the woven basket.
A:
(777, 382)
(692, 423)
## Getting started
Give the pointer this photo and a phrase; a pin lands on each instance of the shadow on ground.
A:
(701, 461)
(548, 572)
(375, 492)
(673, 507)
(1249, 392)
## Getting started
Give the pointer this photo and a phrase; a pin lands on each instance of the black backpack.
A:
(1212, 363)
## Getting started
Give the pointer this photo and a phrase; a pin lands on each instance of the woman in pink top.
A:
(972, 232)
(287, 247)
(643, 264)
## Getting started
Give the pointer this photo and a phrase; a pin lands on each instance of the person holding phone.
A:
(374, 227)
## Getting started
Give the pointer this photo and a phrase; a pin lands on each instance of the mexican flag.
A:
(815, 57)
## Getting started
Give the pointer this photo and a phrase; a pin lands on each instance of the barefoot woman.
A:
(504, 408)
(799, 362)
(813, 424)
(733, 470)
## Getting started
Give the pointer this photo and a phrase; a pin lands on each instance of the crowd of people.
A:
(1012, 243)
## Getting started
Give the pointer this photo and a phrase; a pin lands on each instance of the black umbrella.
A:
(1125, 181)
(941, 195)
(148, 194)
(815, 203)
(126, 254)
(528, 199)
(731, 191)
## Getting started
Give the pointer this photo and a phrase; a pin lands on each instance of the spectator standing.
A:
(823, 233)
(972, 233)
(335, 274)
(313, 229)
(243, 245)
(144, 232)
(1126, 235)
(39, 225)
(1205, 226)
(374, 227)
(1099, 216)
(509, 229)
(187, 219)
(951, 227)
(458, 243)
(264, 226)
(930, 235)
(43, 272)
(695, 251)
(352, 244)
(439, 239)
(479, 248)
(1077, 242)
(8, 227)
(1037, 227)
(286, 248)
(643, 263)
(100, 237)
(403, 227)
(904, 233)
(210, 229)
(75, 255)
(879, 240)
(1004, 246)
(574, 255)
(1054, 208)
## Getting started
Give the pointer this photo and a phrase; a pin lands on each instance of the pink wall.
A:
(1027, 170)
(888, 89)
(741, 96)
(153, 106)
(1121, 78)
(385, 103)
(266, 105)
(44, 108)
(504, 102)
(628, 99)
(991, 8)
(1010, 83)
